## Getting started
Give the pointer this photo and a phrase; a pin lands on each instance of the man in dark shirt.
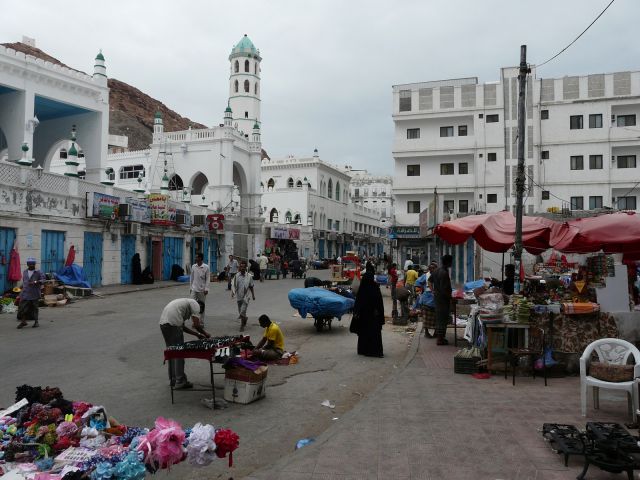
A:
(442, 296)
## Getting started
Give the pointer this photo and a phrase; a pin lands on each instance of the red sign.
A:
(215, 221)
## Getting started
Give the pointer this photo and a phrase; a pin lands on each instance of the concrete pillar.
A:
(13, 118)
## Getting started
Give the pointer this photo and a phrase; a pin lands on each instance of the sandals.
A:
(22, 324)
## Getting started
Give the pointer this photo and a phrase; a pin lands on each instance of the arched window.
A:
(246, 86)
(330, 189)
(271, 184)
(296, 218)
(273, 216)
(236, 67)
(290, 182)
(175, 183)
(287, 217)
(262, 186)
(255, 68)
(255, 88)
(235, 86)
(299, 184)
(338, 191)
(246, 66)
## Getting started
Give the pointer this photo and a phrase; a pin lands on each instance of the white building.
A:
(373, 192)
(311, 196)
(458, 137)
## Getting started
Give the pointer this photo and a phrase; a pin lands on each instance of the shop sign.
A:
(140, 211)
(159, 206)
(404, 232)
(215, 222)
(280, 233)
(102, 206)
(427, 219)
(294, 234)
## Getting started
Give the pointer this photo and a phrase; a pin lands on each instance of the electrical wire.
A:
(576, 39)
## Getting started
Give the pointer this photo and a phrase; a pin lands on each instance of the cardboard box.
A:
(246, 375)
(237, 391)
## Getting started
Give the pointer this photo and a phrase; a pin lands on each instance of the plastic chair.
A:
(534, 349)
(612, 351)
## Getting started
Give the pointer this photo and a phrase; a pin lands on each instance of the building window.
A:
(449, 206)
(481, 115)
(492, 198)
(463, 168)
(329, 224)
(290, 182)
(595, 202)
(255, 89)
(626, 203)
(270, 184)
(577, 162)
(63, 153)
(131, 171)
(246, 86)
(544, 114)
(296, 218)
(446, 169)
(235, 86)
(595, 120)
(494, 118)
(545, 154)
(246, 114)
(492, 156)
(356, 192)
(255, 68)
(338, 225)
(338, 191)
(330, 189)
(236, 67)
(413, 170)
(463, 206)
(462, 130)
(545, 195)
(577, 203)
(575, 122)
(626, 120)
(626, 161)
(405, 100)
(287, 217)
(273, 215)
(246, 66)
(299, 184)
(446, 131)
(413, 207)
(595, 162)
(413, 133)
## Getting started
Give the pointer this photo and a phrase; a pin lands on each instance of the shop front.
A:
(283, 240)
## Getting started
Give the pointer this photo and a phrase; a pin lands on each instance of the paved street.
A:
(109, 351)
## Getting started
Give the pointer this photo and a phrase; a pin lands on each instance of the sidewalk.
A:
(426, 422)
(118, 289)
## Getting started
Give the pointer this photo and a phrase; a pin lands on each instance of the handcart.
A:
(323, 305)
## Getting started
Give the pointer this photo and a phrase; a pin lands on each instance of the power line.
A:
(576, 39)
(543, 188)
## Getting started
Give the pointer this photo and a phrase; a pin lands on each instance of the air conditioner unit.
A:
(132, 229)
(198, 220)
(181, 219)
(124, 210)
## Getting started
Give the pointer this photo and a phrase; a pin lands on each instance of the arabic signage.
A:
(102, 206)
(404, 232)
(284, 233)
(215, 222)
(159, 206)
(139, 209)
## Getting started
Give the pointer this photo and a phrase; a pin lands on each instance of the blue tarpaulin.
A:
(73, 276)
(319, 302)
(473, 285)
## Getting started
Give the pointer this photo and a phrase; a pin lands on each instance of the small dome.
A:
(25, 147)
(158, 114)
(244, 47)
(256, 126)
(100, 56)
(72, 151)
(228, 109)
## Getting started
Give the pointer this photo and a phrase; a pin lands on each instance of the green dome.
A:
(228, 110)
(25, 147)
(256, 126)
(243, 47)
(100, 56)
(158, 114)
(72, 151)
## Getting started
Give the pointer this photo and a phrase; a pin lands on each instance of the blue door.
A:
(92, 259)
(172, 251)
(51, 251)
(321, 248)
(127, 251)
(461, 262)
(213, 255)
(7, 237)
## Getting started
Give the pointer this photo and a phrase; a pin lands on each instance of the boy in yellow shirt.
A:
(271, 346)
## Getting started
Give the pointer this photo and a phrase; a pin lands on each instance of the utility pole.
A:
(520, 180)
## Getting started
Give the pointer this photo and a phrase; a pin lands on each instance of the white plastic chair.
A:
(612, 351)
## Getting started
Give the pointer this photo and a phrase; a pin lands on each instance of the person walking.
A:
(368, 316)
(199, 281)
(32, 281)
(172, 326)
(442, 296)
(263, 262)
(241, 285)
(232, 269)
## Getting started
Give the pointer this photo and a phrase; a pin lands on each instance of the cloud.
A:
(328, 65)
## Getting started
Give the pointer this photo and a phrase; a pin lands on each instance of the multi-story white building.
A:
(373, 192)
(311, 197)
(457, 138)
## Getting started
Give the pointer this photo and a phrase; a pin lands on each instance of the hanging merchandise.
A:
(14, 274)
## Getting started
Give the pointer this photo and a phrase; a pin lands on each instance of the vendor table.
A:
(505, 346)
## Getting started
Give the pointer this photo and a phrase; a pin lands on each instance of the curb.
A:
(137, 290)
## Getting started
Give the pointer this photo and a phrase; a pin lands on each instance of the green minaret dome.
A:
(100, 56)
(228, 110)
(72, 151)
(256, 126)
(158, 114)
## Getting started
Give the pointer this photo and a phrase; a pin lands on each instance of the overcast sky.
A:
(328, 66)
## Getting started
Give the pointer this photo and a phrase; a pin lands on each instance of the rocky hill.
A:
(131, 111)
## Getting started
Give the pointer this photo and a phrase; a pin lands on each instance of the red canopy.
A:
(611, 233)
(495, 232)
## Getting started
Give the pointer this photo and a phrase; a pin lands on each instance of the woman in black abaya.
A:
(368, 316)
(136, 270)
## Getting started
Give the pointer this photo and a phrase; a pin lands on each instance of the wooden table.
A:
(506, 326)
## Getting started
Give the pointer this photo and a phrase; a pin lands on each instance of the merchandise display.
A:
(46, 437)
